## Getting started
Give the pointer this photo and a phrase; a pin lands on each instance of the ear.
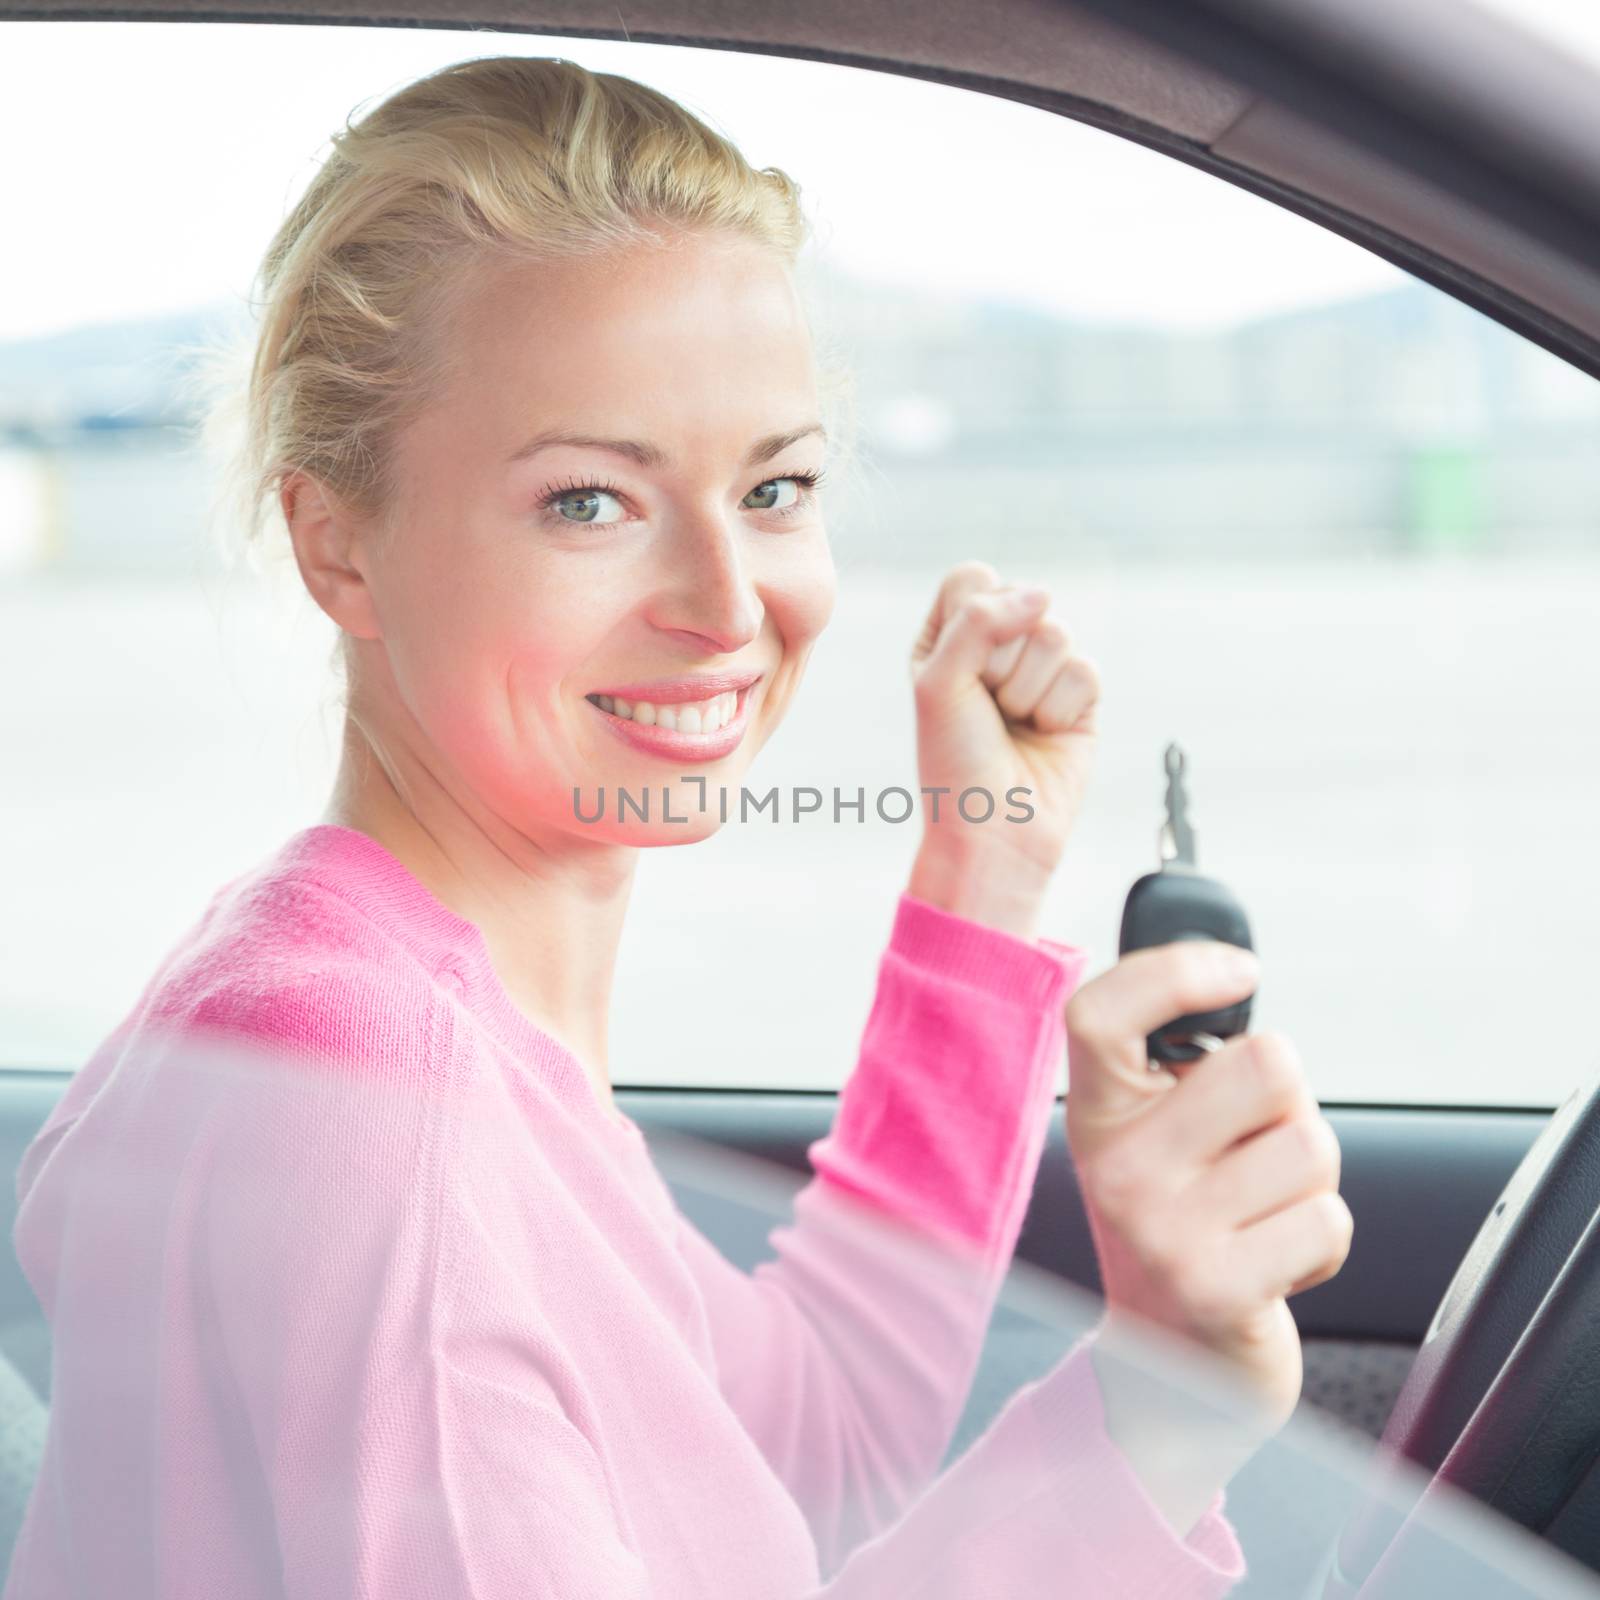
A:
(328, 552)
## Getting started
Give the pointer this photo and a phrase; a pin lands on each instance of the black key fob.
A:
(1165, 906)
(1177, 903)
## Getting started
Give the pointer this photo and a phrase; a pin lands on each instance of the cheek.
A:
(803, 598)
(453, 633)
(544, 667)
(477, 662)
(502, 708)
(537, 681)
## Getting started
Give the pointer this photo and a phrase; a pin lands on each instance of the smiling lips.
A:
(701, 719)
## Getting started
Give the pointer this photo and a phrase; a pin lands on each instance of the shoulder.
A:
(324, 1065)
(287, 965)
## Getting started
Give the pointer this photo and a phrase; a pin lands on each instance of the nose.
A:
(705, 597)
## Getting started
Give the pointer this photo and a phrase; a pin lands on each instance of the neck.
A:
(550, 906)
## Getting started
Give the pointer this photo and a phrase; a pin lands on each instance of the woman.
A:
(360, 1285)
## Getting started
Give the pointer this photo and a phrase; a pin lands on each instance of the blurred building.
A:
(1398, 422)
(1394, 423)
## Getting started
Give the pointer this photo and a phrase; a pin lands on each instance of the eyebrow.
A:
(652, 457)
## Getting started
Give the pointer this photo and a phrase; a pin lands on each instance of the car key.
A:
(1176, 902)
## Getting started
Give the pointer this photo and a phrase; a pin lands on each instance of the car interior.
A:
(1449, 143)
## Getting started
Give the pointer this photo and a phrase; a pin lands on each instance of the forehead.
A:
(652, 325)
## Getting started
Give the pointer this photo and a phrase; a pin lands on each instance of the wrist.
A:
(982, 885)
(1182, 1446)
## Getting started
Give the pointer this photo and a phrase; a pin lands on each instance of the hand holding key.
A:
(1212, 1187)
(1212, 1191)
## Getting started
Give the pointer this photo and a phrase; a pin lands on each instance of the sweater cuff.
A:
(943, 1120)
(1032, 972)
(1141, 1553)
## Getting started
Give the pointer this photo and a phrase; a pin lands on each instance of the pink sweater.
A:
(358, 1292)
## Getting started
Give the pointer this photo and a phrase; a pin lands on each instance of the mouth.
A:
(705, 729)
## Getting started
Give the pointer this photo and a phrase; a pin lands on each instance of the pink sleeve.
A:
(849, 1358)
(1043, 1503)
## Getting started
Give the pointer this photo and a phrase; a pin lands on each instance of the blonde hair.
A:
(498, 158)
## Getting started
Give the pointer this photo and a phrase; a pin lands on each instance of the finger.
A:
(970, 577)
(1289, 1161)
(1070, 701)
(1002, 659)
(1110, 1017)
(1044, 649)
(1292, 1249)
(1251, 1084)
(981, 622)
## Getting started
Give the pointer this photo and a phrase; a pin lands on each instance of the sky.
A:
(184, 144)
(1572, 24)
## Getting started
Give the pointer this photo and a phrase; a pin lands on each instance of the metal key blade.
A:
(1177, 837)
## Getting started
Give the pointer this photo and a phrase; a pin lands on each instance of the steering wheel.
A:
(1502, 1400)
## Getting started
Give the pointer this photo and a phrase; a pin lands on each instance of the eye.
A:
(585, 498)
(764, 492)
(804, 493)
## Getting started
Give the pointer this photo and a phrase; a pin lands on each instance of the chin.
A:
(673, 809)
(694, 832)
(654, 834)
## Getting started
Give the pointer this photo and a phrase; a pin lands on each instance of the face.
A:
(540, 604)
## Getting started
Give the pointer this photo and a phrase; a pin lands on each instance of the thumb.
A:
(972, 632)
(1109, 1019)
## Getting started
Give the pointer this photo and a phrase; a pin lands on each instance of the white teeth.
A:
(699, 716)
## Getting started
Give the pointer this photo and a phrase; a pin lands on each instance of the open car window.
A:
(1332, 531)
